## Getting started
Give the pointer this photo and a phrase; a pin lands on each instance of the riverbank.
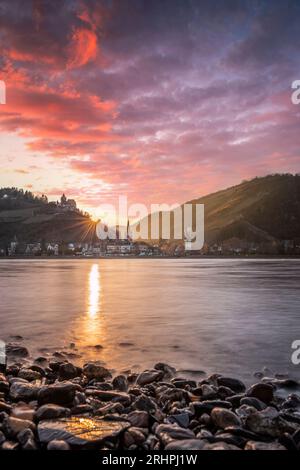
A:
(50, 403)
(203, 257)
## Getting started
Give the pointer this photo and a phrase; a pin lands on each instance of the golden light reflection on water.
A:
(94, 291)
(91, 329)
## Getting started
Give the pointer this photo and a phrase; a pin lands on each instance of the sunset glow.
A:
(143, 98)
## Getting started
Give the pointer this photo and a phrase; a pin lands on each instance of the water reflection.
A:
(91, 326)
(94, 291)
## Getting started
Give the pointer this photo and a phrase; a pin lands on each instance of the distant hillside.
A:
(261, 208)
(34, 219)
(265, 210)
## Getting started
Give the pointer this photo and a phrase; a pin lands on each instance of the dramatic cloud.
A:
(162, 100)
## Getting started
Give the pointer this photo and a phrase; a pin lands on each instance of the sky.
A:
(161, 101)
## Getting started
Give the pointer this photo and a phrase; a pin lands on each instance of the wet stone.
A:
(78, 431)
(199, 408)
(222, 418)
(67, 371)
(16, 350)
(12, 426)
(120, 383)
(138, 419)
(168, 432)
(29, 374)
(261, 391)
(234, 384)
(254, 402)
(167, 370)
(58, 445)
(4, 385)
(186, 444)
(22, 391)
(254, 445)
(95, 371)
(220, 446)
(10, 445)
(182, 419)
(264, 422)
(23, 412)
(112, 396)
(60, 393)
(149, 376)
(51, 411)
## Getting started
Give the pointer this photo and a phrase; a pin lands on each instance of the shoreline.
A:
(52, 404)
(200, 257)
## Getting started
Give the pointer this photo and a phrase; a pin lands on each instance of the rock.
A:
(81, 409)
(254, 402)
(225, 392)
(51, 411)
(24, 435)
(26, 439)
(110, 408)
(94, 371)
(261, 391)
(144, 403)
(58, 445)
(220, 446)
(30, 445)
(29, 374)
(38, 369)
(235, 400)
(254, 445)
(222, 418)
(264, 422)
(12, 426)
(2, 438)
(186, 444)
(23, 412)
(13, 349)
(245, 410)
(245, 433)
(182, 419)
(133, 436)
(5, 407)
(40, 360)
(12, 370)
(67, 371)
(286, 383)
(112, 396)
(4, 385)
(207, 392)
(287, 441)
(168, 432)
(139, 419)
(9, 445)
(80, 432)
(174, 394)
(292, 401)
(198, 408)
(20, 391)
(234, 384)
(149, 376)
(204, 434)
(183, 383)
(103, 386)
(120, 383)
(61, 393)
(228, 438)
(167, 370)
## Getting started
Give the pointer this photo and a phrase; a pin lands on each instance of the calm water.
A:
(227, 316)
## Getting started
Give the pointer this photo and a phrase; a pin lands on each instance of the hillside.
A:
(33, 219)
(264, 212)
